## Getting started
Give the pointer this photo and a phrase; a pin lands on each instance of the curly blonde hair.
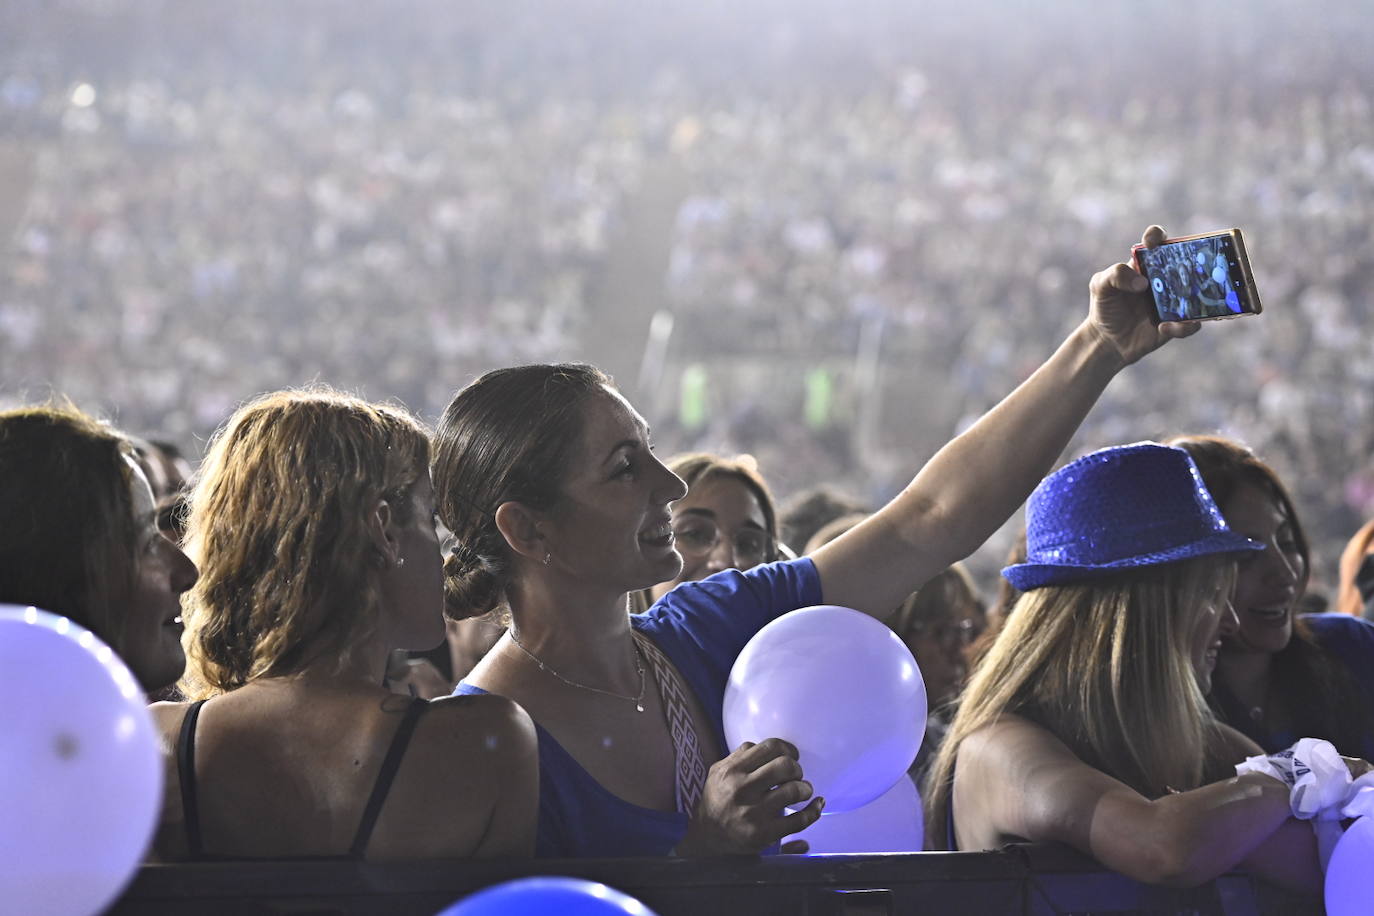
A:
(278, 528)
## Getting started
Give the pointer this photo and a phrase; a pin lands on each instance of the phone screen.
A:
(1197, 278)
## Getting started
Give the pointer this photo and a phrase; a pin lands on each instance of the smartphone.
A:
(1200, 277)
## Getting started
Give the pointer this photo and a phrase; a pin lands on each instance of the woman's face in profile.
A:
(1268, 582)
(718, 525)
(611, 528)
(149, 636)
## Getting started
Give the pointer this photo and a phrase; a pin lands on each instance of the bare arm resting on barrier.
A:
(976, 482)
(1015, 780)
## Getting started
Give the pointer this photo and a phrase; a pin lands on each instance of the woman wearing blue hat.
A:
(1086, 723)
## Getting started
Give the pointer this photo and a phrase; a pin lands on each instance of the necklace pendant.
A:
(639, 707)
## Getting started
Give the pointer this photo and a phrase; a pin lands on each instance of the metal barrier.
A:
(1025, 880)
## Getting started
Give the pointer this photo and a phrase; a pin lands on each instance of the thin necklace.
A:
(639, 666)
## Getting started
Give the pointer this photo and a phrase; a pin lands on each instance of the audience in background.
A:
(806, 513)
(1355, 595)
(79, 538)
(313, 521)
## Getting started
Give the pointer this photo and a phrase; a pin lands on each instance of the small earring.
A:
(400, 561)
(548, 557)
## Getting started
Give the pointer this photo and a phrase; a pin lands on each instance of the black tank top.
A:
(186, 770)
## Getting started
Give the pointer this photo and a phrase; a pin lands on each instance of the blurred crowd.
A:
(394, 197)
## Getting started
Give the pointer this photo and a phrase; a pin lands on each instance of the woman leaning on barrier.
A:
(1086, 722)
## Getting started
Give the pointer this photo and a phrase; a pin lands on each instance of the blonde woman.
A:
(1086, 722)
(313, 523)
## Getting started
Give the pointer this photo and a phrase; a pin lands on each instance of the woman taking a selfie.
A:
(546, 476)
(313, 520)
(1086, 721)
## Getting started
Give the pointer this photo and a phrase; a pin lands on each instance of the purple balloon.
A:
(890, 823)
(80, 767)
(1349, 877)
(843, 688)
(540, 896)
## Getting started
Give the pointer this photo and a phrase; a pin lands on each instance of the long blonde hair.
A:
(1105, 666)
(278, 528)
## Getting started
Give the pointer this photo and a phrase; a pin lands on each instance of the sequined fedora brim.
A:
(1027, 576)
(1120, 508)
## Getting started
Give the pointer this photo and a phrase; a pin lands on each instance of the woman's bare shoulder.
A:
(484, 725)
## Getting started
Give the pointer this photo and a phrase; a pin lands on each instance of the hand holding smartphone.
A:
(1198, 277)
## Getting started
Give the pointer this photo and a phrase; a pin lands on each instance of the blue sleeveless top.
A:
(701, 627)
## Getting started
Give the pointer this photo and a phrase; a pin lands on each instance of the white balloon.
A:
(890, 823)
(1350, 873)
(80, 768)
(843, 688)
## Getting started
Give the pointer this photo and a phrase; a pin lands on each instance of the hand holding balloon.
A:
(742, 807)
(842, 688)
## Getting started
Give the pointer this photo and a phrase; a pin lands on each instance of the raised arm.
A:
(974, 484)
(1015, 779)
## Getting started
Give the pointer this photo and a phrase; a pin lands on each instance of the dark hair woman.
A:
(1281, 675)
(547, 478)
(80, 538)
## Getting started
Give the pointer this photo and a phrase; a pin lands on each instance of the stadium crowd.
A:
(393, 200)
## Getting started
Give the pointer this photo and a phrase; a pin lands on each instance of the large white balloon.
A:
(843, 688)
(1350, 873)
(80, 768)
(890, 823)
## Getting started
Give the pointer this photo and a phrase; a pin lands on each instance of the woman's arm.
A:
(1015, 779)
(977, 481)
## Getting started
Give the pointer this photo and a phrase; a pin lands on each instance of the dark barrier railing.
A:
(1020, 880)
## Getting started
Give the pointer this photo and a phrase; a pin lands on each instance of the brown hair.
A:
(68, 537)
(951, 588)
(505, 437)
(1331, 701)
(278, 529)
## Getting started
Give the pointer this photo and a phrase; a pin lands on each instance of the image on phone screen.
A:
(1195, 278)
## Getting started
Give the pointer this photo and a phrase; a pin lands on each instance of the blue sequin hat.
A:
(1117, 509)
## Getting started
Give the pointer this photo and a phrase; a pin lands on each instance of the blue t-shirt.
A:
(701, 627)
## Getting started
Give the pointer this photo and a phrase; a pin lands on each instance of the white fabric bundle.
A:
(1320, 787)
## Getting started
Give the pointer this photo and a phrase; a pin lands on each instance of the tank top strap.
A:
(186, 775)
(385, 776)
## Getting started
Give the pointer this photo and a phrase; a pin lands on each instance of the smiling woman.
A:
(1282, 676)
(547, 477)
(1085, 723)
(80, 538)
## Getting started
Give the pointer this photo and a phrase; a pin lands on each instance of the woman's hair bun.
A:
(473, 586)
